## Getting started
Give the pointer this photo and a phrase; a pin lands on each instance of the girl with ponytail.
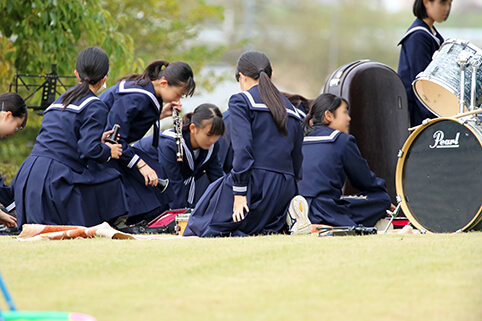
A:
(200, 165)
(330, 157)
(266, 138)
(58, 184)
(136, 104)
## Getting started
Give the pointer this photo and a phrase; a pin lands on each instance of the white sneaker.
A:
(297, 217)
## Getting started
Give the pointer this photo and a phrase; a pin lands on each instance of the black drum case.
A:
(379, 112)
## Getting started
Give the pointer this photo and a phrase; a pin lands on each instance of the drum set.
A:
(439, 168)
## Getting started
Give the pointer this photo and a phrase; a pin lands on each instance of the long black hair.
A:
(256, 65)
(205, 112)
(15, 104)
(177, 73)
(324, 102)
(92, 66)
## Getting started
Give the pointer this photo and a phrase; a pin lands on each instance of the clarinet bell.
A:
(162, 184)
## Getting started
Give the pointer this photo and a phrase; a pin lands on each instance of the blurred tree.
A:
(37, 33)
(168, 30)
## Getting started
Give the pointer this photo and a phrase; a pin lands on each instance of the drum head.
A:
(437, 98)
(439, 176)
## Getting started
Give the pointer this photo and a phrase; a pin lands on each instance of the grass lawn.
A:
(379, 277)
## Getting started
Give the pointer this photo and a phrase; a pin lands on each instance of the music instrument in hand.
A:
(112, 138)
(177, 120)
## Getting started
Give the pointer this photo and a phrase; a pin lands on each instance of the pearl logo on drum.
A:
(441, 142)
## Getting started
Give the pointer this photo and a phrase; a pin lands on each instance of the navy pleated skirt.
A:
(365, 210)
(268, 196)
(141, 199)
(49, 192)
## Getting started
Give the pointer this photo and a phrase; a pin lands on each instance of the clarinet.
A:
(177, 120)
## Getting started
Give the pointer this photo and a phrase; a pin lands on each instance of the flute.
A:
(177, 120)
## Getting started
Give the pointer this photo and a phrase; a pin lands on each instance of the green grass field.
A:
(380, 277)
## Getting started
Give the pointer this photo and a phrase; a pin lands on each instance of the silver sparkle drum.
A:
(438, 86)
(439, 176)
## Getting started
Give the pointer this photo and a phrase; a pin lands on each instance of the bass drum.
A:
(439, 176)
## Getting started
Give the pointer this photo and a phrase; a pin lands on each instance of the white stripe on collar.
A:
(321, 138)
(409, 32)
(208, 156)
(261, 105)
(73, 107)
(122, 89)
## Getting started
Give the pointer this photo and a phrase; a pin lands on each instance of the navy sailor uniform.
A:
(136, 108)
(6, 196)
(330, 157)
(58, 184)
(418, 47)
(189, 178)
(265, 168)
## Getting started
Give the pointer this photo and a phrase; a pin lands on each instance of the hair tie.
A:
(261, 70)
(87, 79)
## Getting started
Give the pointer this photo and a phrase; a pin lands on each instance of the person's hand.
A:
(392, 208)
(240, 205)
(115, 150)
(7, 220)
(168, 108)
(150, 175)
(107, 133)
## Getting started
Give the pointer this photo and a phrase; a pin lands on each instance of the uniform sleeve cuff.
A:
(133, 161)
(10, 207)
(240, 190)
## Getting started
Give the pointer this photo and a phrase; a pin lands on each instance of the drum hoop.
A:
(401, 164)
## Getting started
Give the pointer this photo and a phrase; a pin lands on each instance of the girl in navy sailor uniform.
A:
(200, 165)
(330, 157)
(57, 183)
(302, 105)
(136, 104)
(13, 118)
(266, 138)
(419, 43)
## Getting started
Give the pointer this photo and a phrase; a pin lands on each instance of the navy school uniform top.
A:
(225, 149)
(73, 136)
(135, 108)
(6, 196)
(183, 175)
(418, 47)
(331, 156)
(256, 141)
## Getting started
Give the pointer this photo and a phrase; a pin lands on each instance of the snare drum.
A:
(438, 86)
(439, 176)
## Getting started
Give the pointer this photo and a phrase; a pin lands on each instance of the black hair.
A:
(177, 73)
(205, 112)
(419, 9)
(92, 66)
(15, 104)
(324, 102)
(256, 65)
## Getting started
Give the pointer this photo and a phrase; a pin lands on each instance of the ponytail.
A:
(176, 73)
(256, 65)
(324, 102)
(92, 66)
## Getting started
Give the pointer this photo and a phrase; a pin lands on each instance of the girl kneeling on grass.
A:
(266, 138)
(200, 165)
(13, 118)
(330, 157)
(58, 184)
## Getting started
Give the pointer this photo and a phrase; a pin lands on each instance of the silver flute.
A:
(177, 120)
